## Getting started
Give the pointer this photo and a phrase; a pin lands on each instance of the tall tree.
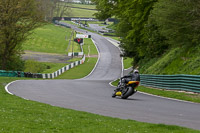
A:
(55, 8)
(17, 19)
(178, 21)
(47, 7)
(105, 8)
(133, 17)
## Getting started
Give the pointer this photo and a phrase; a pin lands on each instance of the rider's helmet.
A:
(135, 71)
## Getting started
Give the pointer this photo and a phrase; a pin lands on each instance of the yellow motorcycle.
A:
(126, 88)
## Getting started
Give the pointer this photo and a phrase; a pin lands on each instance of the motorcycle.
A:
(126, 88)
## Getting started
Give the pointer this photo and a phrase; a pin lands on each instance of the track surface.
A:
(93, 94)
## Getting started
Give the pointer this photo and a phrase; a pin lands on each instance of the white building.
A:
(80, 1)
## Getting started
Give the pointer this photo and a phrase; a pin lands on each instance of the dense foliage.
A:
(150, 28)
(17, 19)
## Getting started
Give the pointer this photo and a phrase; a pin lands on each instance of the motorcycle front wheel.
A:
(126, 92)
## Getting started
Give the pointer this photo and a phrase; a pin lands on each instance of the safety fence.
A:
(173, 82)
(4, 73)
(62, 70)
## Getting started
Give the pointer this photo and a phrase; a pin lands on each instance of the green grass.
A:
(75, 12)
(112, 26)
(84, 6)
(49, 39)
(79, 71)
(89, 47)
(75, 47)
(45, 67)
(53, 67)
(115, 38)
(20, 116)
(127, 63)
(42, 67)
(167, 93)
(171, 94)
(185, 60)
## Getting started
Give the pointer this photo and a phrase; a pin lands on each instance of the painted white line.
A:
(167, 98)
(99, 55)
(111, 83)
(122, 73)
(6, 87)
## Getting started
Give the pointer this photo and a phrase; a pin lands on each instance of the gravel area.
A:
(45, 57)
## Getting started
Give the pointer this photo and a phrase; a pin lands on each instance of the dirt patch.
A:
(45, 57)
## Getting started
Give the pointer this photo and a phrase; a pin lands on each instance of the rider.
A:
(134, 76)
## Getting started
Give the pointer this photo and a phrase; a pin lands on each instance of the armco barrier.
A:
(174, 82)
(4, 73)
(62, 70)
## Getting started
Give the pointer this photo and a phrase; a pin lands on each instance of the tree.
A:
(133, 17)
(46, 6)
(55, 8)
(178, 21)
(61, 8)
(105, 8)
(17, 19)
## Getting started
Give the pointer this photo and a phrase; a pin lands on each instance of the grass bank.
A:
(49, 39)
(19, 115)
(79, 11)
(185, 60)
(127, 63)
(89, 48)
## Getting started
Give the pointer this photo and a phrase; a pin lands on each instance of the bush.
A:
(15, 63)
(34, 66)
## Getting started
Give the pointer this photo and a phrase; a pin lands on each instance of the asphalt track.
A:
(93, 94)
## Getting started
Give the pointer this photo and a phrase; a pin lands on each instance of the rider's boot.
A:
(114, 94)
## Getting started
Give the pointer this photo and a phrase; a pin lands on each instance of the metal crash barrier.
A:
(173, 82)
(4, 73)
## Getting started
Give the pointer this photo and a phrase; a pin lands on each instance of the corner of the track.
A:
(6, 87)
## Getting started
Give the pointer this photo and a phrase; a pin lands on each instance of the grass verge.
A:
(19, 115)
(127, 63)
(42, 67)
(167, 93)
(79, 71)
(89, 47)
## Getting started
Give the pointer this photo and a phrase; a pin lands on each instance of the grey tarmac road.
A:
(93, 94)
